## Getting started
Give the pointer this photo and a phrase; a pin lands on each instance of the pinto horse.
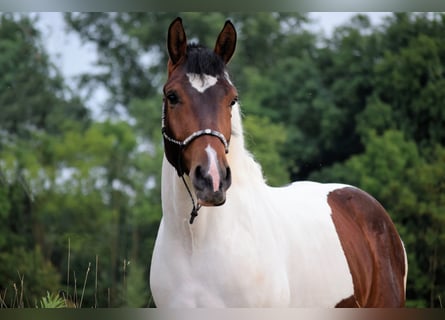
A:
(304, 245)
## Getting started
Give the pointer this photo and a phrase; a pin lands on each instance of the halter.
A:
(183, 144)
(193, 136)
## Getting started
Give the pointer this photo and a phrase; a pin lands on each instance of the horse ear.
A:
(226, 42)
(177, 41)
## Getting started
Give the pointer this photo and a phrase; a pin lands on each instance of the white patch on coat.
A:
(201, 82)
(213, 167)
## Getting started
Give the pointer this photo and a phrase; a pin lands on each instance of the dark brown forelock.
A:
(201, 60)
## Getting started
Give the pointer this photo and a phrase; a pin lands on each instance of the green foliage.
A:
(25, 276)
(65, 178)
(412, 80)
(136, 289)
(52, 301)
(30, 96)
(265, 139)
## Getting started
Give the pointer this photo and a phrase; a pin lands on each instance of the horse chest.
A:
(220, 273)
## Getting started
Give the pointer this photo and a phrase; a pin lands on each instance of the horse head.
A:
(198, 97)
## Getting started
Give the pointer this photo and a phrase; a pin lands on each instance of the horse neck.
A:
(245, 170)
(176, 201)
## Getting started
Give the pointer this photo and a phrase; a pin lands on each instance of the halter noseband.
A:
(193, 136)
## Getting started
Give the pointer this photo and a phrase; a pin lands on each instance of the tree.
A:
(35, 105)
(31, 88)
(412, 80)
(266, 148)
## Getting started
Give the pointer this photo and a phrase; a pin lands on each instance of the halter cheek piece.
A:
(183, 144)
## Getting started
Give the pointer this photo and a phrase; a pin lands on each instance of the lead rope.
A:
(195, 208)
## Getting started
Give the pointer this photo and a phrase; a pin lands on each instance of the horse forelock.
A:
(203, 61)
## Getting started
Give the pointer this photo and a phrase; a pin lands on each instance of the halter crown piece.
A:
(183, 144)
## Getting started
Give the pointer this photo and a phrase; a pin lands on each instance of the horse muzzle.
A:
(211, 185)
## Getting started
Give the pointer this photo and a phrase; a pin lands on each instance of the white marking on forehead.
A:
(213, 167)
(201, 82)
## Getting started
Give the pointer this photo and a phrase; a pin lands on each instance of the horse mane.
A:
(202, 60)
(241, 157)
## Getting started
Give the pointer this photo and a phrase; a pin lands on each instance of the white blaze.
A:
(213, 167)
(201, 82)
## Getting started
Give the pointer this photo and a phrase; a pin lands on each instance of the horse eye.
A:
(172, 98)
(234, 101)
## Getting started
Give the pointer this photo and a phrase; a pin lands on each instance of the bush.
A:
(25, 277)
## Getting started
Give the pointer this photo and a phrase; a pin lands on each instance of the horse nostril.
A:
(199, 175)
(228, 175)
(201, 180)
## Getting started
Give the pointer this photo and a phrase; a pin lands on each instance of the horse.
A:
(306, 244)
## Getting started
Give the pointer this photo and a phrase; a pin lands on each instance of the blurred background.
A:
(356, 98)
